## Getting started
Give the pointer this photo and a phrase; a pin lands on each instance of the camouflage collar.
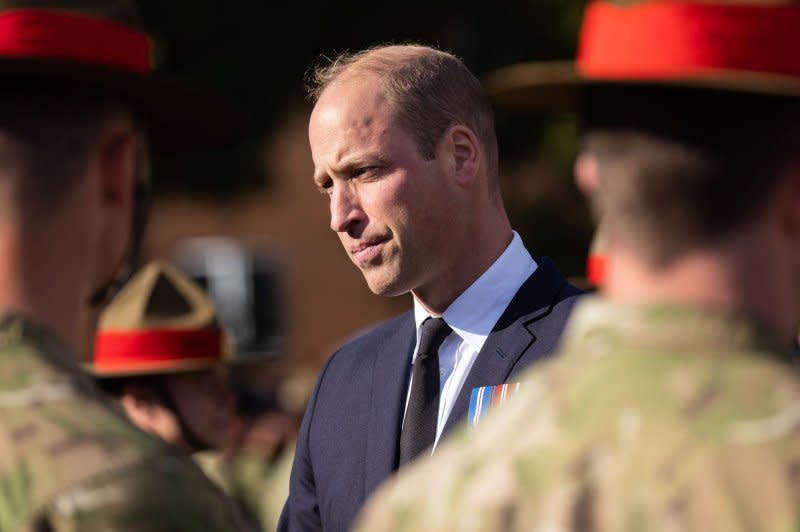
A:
(15, 329)
(669, 327)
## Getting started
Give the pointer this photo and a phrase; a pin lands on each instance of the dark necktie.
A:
(419, 427)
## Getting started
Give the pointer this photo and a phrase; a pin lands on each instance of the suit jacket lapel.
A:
(389, 386)
(512, 336)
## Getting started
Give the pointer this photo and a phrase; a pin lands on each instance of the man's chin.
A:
(382, 286)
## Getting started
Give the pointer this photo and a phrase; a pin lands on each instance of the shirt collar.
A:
(475, 312)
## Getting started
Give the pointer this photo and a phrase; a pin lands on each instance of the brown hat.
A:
(96, 44)
(742, 46)
(160, 322)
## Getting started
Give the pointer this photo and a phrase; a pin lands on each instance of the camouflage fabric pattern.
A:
(260, 484)
(69, 462)
(651, 418)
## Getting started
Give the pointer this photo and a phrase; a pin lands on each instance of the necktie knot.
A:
(433, 332)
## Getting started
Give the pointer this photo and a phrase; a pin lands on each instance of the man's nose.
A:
(345, 208)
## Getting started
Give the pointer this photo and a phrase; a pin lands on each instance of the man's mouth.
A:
(367, 251)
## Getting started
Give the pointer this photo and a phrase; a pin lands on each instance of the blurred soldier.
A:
(161, 353)
(674, 402)
(255, 467)
(244, 285)
(77, 105)
(256, 464)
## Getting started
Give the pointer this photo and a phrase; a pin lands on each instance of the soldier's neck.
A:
(754, 282)
(39, 280)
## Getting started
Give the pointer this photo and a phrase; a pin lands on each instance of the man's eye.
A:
(364, 170)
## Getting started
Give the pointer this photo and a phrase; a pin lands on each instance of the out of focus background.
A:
(248, 223)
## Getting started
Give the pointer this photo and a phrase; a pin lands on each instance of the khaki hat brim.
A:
(558, 87)
(155, 368)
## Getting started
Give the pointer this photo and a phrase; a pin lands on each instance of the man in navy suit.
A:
(403, 143)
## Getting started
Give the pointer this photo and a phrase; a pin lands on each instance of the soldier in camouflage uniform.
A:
(77, 103)
(161, 354)
(674, 403)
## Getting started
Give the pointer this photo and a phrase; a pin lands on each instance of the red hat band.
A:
(54, 35)
(658, 39)
(134, 350)
(596, 268)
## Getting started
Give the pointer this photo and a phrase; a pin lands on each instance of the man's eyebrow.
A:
(363, 159)
(349, 165)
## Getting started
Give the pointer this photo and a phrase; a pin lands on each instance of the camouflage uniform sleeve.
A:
(165, 493)
(457, 488)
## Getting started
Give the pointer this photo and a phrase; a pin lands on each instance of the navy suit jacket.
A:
(348, 442)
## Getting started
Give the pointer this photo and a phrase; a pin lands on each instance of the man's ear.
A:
(586, 176)
(116, 161)
(465, 151)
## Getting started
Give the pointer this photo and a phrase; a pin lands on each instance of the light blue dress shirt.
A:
(472, 316)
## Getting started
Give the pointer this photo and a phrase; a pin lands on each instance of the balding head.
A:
(429, 91)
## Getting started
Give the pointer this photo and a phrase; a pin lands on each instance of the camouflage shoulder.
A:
(163, 493)
(62, 444)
